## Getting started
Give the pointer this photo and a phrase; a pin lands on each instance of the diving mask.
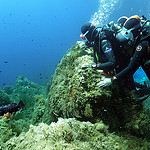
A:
(83, 36)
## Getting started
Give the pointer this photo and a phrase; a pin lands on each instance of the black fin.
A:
(141, 99)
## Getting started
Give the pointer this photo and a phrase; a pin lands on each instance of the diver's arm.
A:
(137, 60)
(111, 60)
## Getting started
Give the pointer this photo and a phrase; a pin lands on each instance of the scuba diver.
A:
(108, 55)
(136, 36)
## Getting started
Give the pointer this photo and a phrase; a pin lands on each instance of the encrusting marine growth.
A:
(77, 114)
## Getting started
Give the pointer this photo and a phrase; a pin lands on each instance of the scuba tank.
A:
(144, 30)
(145, 21)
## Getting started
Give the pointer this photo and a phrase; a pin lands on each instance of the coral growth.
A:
(93, 118)
(74, 93)
(4, 98)
(70, 134)
(39, 109)
(20, 121)
(6, 132)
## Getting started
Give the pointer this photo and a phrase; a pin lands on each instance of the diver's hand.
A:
(94, 66)
(105, 82)
(86, 65)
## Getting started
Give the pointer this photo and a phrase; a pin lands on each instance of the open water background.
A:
(35, 34)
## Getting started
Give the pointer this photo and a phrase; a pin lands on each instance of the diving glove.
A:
(87, 65)
(105, 82)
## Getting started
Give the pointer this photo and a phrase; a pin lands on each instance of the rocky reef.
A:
(20, 121)
(74, 93)
(77, 114)
(4, 98)
(70, 134)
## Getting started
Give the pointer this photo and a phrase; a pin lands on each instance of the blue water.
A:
(35, 34)
(141, 77)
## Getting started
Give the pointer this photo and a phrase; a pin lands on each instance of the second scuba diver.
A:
(137, 36)
(111, 51)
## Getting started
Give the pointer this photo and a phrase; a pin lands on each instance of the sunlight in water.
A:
(105, 8)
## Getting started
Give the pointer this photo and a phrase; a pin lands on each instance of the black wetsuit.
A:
(111, 57)
(140, 58)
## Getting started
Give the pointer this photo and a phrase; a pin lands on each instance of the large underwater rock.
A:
(74, 93)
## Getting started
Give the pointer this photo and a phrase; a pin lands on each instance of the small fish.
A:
(5, 62)
(40, 77)
(10, 108)
(72, 92)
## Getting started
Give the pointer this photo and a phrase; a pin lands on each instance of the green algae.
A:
(24, 90)
(93, 118)
(39, 109)
(5, 132)
(74, 93)
(70, 134)
(4, 98)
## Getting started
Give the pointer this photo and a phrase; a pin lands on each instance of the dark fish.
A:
(40, 77)
(5, 62)
(14, 107)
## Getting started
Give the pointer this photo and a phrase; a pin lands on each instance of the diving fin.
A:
(141, 99)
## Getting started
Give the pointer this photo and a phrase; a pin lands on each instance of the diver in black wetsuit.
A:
(137, 36)
(108, 55)
(141, 50)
